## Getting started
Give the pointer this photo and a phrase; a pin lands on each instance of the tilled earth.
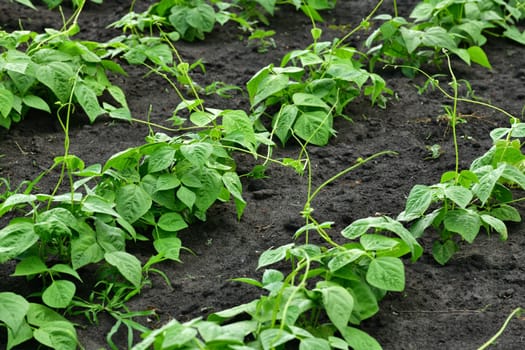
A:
(458, 306)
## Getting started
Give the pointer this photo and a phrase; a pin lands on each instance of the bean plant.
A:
(43, 71)
(193, 19)
(310, 88)
(460, 27)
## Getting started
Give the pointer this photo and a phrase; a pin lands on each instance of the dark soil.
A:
(458, 306)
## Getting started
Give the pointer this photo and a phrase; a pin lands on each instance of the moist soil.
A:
(457, 306)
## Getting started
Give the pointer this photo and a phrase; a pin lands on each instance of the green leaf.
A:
(273, 337)
(442, 252)
(26, 3)
(238, 128)
(344, 257)
(39, 315)
(186, 196)
(58, 77)
(85, 249)
(211, 187)
(514, 175)
(168, 247)
(200, 118)
(283, 122)
(197, 153)
(36, 103)
(361, 226)
(271, 256)
(315, 127)
(386, 273)
(132, 202)
(13, 309)
(58, 335)
(96, 204)
(66, 269)
(506, 213)
(464, 222)
(177, 336)
(496, 224)
(514, 33)
(309, 100)
(128, 265)
(338, 303)
(59, 294)
(31, 265)
(479, 56)
(167, 181)
(314, 344)
(359, 340)
(109, 237)
(161, 159)
(15, 239)
(377, 242)
(459, 195)
(232, 182)
(6, 102)
(265, 84)
(87, 98)
(172, 222)
(483, 189)
(418, 201)
(201, 17)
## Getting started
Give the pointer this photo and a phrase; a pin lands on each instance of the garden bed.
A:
(456, 306)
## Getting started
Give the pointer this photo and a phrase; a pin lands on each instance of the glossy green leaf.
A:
(418, 201)
(309, 100)
(273, 255)
(109, 237)
(87, 98)
(314, 344)
(459, 195)
(442, 252)
(13, 309)
(283, 122)
(264, 84)
(161, 159)
(31, 265)
(172, 222)
(15, 239)
(496, 224)
(338, 303)
(386, 273)
(167, 181)
(58, 77)
(201, 17)
(506, 213)
(197, 153)
(58, 335)
(315, 127)
(186, 196)
(479, 56)
(168, 247)
(377, 242)
(59, 294)
(484, 188)
(128, 265)
(85, 249)
(464, 222)
(273, 337)
(359, 340)
(36, 102)
(6, 102)
(132, 202)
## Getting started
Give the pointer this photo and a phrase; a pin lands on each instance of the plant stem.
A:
(516, 312)
(453, 117)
